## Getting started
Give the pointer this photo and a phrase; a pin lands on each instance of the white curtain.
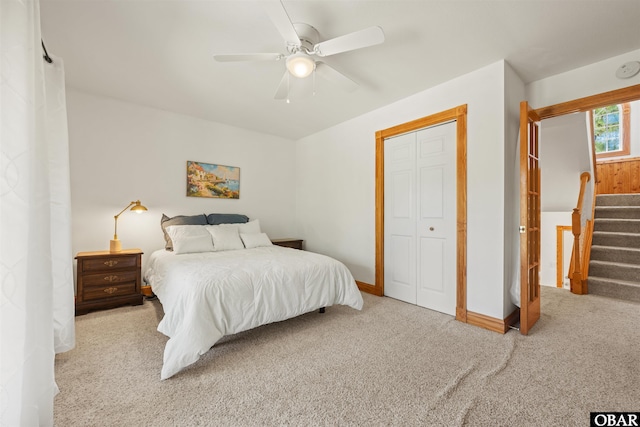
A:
(36, 300)
(60, 203)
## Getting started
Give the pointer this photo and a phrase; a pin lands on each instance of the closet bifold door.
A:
(420, 217)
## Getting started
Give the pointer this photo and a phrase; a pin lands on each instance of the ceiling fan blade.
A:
(283, 87)
(335, 77)
(352, 41)
(249, 57)
(278, 15)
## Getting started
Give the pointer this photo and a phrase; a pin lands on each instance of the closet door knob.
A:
(431, 228)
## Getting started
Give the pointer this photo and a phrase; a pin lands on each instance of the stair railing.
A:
(577, 273)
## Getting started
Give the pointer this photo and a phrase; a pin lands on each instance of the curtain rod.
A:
(46, 55)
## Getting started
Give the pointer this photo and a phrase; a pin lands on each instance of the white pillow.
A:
(255, 240)
(190, 238)
(225, 238)
(250, 227)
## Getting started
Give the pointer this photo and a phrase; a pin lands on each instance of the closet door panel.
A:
(400, 254)
(400, 218)
(436, 222)
(432, 260)
(432, 195)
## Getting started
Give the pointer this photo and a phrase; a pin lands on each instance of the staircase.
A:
(614, 267)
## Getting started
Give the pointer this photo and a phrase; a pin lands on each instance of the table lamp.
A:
(115, 245)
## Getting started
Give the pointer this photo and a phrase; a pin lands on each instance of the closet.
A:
(420, 217)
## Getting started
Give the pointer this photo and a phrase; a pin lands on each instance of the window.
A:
(611, 130)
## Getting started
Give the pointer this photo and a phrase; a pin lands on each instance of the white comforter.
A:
(208, 295)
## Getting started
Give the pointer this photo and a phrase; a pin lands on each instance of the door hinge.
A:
(522, 229)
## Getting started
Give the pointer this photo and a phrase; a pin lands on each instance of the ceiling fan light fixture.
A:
(300, 65)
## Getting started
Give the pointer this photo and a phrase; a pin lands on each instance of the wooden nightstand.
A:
(107, 280)
(289, 243)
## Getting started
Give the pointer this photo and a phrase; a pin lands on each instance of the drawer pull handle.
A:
(111, 278)
(110, 290)
(110, 263)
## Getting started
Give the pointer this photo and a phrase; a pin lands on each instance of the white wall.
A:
(585, 81)
(121, 152)
(335, 177)
(564, 155)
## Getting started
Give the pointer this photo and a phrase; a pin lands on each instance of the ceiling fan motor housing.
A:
(308, 35)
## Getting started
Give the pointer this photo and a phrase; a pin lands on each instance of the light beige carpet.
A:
(390, 364)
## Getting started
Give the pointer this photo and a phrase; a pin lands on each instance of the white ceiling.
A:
(160, 53)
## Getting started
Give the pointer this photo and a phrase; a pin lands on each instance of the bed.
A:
(209, 292)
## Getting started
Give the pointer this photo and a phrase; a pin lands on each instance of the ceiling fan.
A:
(303, 46)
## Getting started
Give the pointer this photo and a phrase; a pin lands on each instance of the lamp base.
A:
(115, 246)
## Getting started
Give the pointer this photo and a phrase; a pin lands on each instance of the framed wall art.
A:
(209, 180)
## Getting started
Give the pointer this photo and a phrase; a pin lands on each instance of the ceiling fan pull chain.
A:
(314, 81)
(288, 88)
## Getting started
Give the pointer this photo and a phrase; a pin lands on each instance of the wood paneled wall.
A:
(618, 176)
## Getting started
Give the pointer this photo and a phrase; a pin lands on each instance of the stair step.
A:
(606, 238)
(619, 289)
(614, 267)
(615, 270)
(617, 225)
(615, 254)
(624, 212)
(618, 199)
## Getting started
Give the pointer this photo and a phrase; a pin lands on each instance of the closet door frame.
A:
(459, 115)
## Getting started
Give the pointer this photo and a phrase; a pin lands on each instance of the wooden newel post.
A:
(576, 278)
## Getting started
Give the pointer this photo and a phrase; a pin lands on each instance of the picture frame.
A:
(212, 180)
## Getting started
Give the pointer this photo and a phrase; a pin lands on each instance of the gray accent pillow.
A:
(165, 222)
(219, 218)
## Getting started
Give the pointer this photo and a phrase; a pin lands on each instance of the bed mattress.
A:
(206, 296)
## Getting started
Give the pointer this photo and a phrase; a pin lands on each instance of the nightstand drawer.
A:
(118, 289)
(112, 263)
(109, 277)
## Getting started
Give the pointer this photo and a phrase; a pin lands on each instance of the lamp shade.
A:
(138, 208)
(300, 65)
